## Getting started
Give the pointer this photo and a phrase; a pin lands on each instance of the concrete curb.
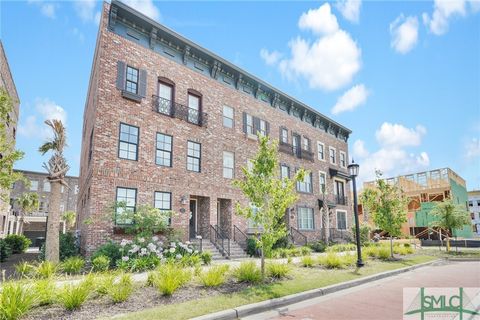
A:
(462, 259)
(249, 309)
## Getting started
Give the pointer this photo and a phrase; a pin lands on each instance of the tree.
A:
(57, 168)
(69, 217)
(9, 155)
(28, 203)
(269, 196)
(388, 206)
(449, 216)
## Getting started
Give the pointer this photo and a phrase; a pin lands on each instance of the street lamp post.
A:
(353, 171)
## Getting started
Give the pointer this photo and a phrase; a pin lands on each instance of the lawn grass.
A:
(301, 280)
(462, 252)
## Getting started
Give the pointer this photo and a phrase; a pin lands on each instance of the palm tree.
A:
(28, 203)
(57, 168)
(449, 216)
(69, 218)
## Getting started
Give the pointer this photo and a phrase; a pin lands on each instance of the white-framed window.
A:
(33, 185)
(227, 117)
(306, 184)
(163, 152)
(129, 197)
(306, 144)
(321, 151)
(131, 84)
(193, 108)
(163, 201)
(343, 159)
(341, 220)
(263, 127)
(322, 181)
(250, 129)
(193, 156)
(284, 171)
(228, 164)
(284, 135)
(46, 186)
(76, 189)
(305, 218)
(332, 155)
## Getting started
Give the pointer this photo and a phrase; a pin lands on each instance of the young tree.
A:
(57, 168)
(270, 195)
(7, 148)
(449, 216)
(28, 203)
(388, 206)
(69, 218)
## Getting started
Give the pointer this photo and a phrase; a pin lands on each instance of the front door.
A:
(193, 219)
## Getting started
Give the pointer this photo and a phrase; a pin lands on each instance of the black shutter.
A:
(267, 127)
(244, 115)
(256, 125)
(142, 83)
(121, 75)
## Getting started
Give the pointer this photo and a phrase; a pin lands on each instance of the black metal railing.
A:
(298, 237)
(306, 154)
(285, 148)
(179, 111)
(335, 234)
(220, 241)
(295, 151)
(341, 200)
(240, 237)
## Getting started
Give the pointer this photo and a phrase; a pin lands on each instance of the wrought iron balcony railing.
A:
(295, 151)
(341, 200)
(179, 111)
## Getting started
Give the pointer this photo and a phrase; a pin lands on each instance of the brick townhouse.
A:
(170, 124)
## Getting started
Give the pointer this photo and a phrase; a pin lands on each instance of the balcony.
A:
(307, 155)
(285, 148)
(341, 200)
(179, 111)
(295, 151)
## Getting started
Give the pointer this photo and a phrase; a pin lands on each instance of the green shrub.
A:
(45, 270)
(252, 249)
(383, 253)
(67, 247)
(409, 249)
(45, 291)
(289, 260)
(72, 265)
(206, 257)
(307, 261)
(349, 260)
(371, 251)
(278, 270)
(341, 247)
(15, 300)
(331, 261)
(169, 278)
(100, 263)
(110, 250)
(215, 276)
(407, 245)
(24, 269)
(121, 290)
(141, 264)
(190, 261)
(18, 243)
(305, 251)
(318, 246)
(248, 272)
(73, 296)
(5, 250)
(104, 283)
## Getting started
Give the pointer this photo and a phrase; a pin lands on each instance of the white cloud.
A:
(350, 100)
(85, 9)
(472, 149)
(350, 9)
(45, 109)
(146, 7)
(359, 150)
(404, 32)
(319, 21)
(270, 58)
(48, 9)
(396, 135)
(443, 11)
(77, 33)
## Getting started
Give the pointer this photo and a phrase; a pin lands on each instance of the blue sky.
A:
(404, 76)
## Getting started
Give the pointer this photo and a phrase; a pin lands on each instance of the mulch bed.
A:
(9, 265)
(142, 298)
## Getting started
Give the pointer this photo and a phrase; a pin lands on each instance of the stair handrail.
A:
(236, 230)
(215, 236)
(226, 239)
(297, 232)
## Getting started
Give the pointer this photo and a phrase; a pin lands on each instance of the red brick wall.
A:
(106, 108)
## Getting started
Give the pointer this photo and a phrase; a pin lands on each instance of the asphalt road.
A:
(382, 299)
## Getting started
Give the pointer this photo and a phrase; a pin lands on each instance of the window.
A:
(253, 125)
(163, 155)
(341, 220)
(306, 184)
(165, 94)
(322, 181)
(249, 120)
(163, 201)
(478, 203)
(340, 192)
(284, 171)
(128, 143)
(262, 127)
(76, 188)
(132, 80)
(333, 156)
(343, 159)
(284, 135)
(193, 108)
(128, 197)
(46, 186)
(228, 164)
(305, 218)
(33, 185)
(470, 203)
(90, 147)
(227, 117)
(63, 189)
(295, 144)
(321, 151)
(193, 156)
(306, 144)
(41, 206)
